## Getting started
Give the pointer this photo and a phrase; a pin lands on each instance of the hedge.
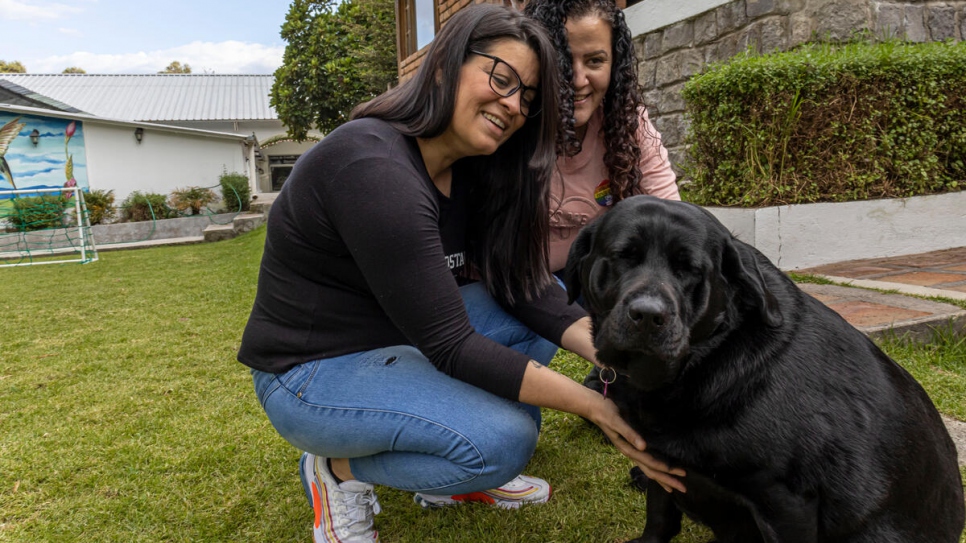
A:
(826, 123)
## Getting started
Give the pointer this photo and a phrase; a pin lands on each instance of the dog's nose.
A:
(648, 311)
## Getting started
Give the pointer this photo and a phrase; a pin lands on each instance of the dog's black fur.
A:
(791, 424)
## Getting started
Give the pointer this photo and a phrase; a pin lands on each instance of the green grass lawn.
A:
(125, 417)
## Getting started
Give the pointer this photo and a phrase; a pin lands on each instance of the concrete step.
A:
(261, 207)
(246, 222)
(219, 232)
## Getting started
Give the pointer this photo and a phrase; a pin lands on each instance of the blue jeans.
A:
(403, 423)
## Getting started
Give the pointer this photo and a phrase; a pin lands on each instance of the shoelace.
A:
(360, 507)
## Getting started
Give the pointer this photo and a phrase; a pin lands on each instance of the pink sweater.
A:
(580, 191)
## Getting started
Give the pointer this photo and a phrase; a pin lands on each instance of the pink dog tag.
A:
(613, 377)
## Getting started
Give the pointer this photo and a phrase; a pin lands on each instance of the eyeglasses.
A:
(505, 81)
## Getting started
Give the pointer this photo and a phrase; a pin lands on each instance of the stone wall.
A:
(672, 54)
(182, 227)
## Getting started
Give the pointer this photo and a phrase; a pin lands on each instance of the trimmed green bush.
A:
(37, 213)
(100, 206)
(826, 123)
(140, 206)
(235, 192)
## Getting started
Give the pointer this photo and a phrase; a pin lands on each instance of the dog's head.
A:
(660, 278)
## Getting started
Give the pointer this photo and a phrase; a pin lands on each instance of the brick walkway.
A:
(941, 270)
(933, 274)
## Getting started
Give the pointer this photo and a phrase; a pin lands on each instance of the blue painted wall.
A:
(59, 159)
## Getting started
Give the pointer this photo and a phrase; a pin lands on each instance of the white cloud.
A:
(19, 10)
(228, 57)
(70, 32)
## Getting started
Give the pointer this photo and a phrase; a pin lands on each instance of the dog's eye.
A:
(682, 263)
(629, 253)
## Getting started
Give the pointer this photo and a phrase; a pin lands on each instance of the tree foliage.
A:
(74, 70)
(338, 55)
(12, 67)
(176, 68)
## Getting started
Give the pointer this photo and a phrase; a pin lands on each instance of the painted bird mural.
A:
(7, 134)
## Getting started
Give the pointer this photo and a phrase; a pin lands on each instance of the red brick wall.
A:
(445, 10)
(407, 68)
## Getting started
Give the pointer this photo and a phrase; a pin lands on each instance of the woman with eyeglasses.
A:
(405, 312)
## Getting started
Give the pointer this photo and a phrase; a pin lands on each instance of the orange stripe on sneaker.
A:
(316, 504)
(321, 507)
(474, 497)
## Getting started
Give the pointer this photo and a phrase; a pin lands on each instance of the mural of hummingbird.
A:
(7, 134)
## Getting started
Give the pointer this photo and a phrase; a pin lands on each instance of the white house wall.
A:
(264, 131)
(162, 162)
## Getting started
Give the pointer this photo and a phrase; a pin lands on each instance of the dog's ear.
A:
(575, 260)
(740, 265)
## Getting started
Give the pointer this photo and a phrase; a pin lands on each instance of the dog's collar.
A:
(613, 377)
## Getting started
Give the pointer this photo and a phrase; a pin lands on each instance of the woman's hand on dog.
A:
(547, 388)
(578, 338)
(606, 415)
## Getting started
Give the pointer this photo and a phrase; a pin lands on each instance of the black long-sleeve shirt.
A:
(362, 252)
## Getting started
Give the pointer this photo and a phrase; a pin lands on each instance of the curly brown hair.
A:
(622, 102)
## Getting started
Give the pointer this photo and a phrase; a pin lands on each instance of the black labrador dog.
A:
(791, 424)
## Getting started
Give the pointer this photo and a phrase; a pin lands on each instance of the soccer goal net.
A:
(45, 226)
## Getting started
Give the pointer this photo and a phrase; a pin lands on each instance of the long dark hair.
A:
(622, 101)
(510, 189)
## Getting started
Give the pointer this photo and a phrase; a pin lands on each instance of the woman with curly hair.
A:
(609, 150)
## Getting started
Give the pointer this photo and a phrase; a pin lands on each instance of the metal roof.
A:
(34, 98)
(73, 115)
(157, 97)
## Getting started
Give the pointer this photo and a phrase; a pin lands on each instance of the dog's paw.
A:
(638, 479)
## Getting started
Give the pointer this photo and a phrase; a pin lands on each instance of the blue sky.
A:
(143, 36)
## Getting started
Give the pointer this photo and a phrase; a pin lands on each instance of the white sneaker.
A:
(522, 489)
(343, 511)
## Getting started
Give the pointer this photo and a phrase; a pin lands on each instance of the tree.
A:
(376, 22)
(338, 55)
(13, 67)
(74, 70)
(176, 68)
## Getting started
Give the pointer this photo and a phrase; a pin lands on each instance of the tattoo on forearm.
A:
(536, 364)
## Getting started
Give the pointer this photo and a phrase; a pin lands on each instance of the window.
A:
(416, 25)
(281, 166)
(425, 23)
